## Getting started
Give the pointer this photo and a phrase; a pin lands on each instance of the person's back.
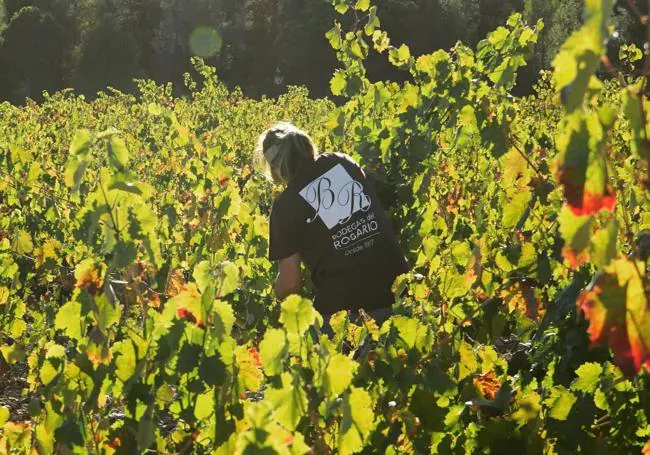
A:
(330, 218)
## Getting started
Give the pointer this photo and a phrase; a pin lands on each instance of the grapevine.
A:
(136, 294)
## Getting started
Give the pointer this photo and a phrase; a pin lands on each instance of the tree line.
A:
(260, 45)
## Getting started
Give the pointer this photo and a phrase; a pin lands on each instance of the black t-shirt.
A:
(332, 217)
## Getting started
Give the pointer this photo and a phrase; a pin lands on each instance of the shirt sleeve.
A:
(284, 231)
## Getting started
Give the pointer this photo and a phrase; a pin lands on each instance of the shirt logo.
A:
(335, 196)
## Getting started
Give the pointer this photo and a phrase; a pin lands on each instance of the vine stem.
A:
(600, 424)
(110, 213)
(94, 434)
(644, 20)
(523, 155)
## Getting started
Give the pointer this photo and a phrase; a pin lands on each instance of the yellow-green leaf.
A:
(603, 245)
(24, 244)
(204, 406)
(289, 402)
(297, 314)
(339, 373)
(560, 403)
(229, 274)
(468, 363)
(358, 421)
(588, 377)
(4, 415)
(515, 209)
(69, 320)
(118, 154)
(362, 5)
(273, 351)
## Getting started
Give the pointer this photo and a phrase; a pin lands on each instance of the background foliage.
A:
(262, 45)
(135, 293)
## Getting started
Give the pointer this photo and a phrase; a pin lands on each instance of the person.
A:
(328, 217)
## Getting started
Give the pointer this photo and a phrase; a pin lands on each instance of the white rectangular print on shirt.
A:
(335, 196)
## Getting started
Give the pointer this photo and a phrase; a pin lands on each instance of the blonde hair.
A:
(282, 150)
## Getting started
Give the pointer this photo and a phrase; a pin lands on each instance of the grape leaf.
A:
(290, 402)
(487, 385)
(4, 415)
(618, 311)
(528, 408)
(297, 314)
(125, 359)
(588, 377)
(603, 245)
(250, 375)
(118, 154)
(273, 351)
(205, 405)
(24, 244)
(358, 421)
(582, 165)
(202, 275)
(560, 403)
(339, 373)
(69, 319)
(362, 5)
(468, 363)
(515, 209)
(338, 83)
(579, 56)
(229, 274)
(81, 142)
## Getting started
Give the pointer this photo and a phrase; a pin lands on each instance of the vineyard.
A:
(136, 305)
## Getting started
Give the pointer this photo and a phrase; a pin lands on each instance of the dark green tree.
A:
(304, 56)
(115, 43)
(561, 18)
(265, 44)
(106, 54)
(31, 55)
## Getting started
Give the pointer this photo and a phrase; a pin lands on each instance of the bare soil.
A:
(13, 391)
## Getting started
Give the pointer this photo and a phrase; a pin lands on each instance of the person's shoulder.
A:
(336, 157)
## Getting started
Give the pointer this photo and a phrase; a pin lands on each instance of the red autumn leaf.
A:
(521, 297)
(115, 443)
(618, 311)
(581, 165)
(575, 260)
(154, 301)
(581, 200)
(256, 356)
(487, 385)
(186, 314)
(593, 203)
